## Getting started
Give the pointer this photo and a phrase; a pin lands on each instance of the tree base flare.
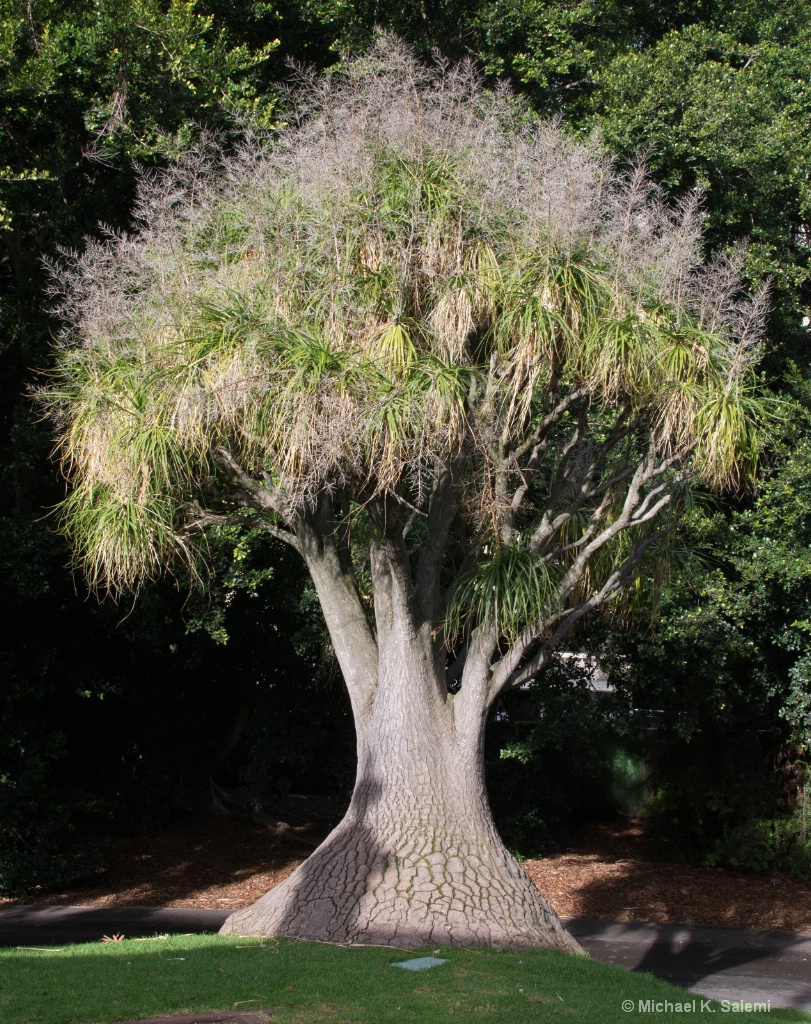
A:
(406, 894)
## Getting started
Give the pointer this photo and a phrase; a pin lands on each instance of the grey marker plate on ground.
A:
(422, 963)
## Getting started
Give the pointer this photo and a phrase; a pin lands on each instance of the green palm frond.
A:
(729, 434)
(117, 538)
(619, 356)
(406, 184)
(394, 347)
(221, 324)
(509, 589)
(684, 353)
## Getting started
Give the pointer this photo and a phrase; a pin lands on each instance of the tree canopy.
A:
(405, 278)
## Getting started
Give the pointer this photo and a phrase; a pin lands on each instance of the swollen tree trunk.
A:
(417, 859)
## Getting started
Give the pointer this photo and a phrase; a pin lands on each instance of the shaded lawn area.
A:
(310, 983)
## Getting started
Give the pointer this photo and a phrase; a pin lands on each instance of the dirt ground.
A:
(607, 870)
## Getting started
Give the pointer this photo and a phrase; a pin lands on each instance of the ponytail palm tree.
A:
(467, 369)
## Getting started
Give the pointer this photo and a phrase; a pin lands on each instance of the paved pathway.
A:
(734, 964)
(722, 963)
(54, 926)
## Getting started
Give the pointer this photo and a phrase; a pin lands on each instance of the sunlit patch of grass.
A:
(312, 983)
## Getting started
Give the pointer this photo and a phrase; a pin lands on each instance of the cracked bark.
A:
(417, 859)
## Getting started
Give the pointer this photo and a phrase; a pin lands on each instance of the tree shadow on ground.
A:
(739, 964)
(199, 861)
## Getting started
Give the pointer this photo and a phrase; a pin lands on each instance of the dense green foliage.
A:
(87, 91)
(119, 720)
(727, 667)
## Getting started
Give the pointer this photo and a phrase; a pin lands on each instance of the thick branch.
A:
(610, 590)
(536, 444)
(349, 629)
(549, 421)
(637, 510)
(549, 526)
(261, 495)
(204, 519)
(472, 702)
(590, 488)
(441, 511)
(398, 621)
(632, 515)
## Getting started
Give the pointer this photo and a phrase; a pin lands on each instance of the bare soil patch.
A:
(608, 870)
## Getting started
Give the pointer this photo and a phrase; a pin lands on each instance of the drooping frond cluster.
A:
(413, 270)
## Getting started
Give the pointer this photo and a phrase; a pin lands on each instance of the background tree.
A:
(714, 94)
(88, 90)
(725, 663)
(465, 369)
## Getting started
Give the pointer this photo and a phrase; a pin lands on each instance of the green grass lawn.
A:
(309, 983)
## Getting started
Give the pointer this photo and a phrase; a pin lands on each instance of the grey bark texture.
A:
(417, 859)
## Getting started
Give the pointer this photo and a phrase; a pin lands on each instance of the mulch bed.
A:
(609, 871)
(200, 862)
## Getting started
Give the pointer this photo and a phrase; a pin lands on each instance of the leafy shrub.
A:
(544, 754)
(769, 844)
(710, 783)
(39, 846)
